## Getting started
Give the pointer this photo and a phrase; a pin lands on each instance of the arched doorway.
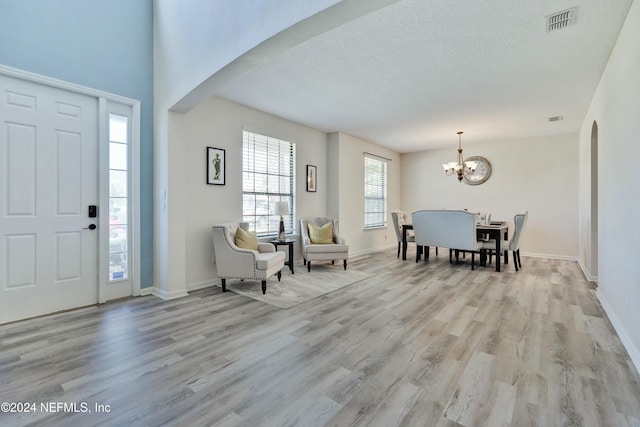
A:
(593, 261)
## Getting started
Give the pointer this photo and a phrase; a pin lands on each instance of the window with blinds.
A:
(375, 192)
(268, 176)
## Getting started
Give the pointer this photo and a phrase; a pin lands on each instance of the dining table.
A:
(497, 230)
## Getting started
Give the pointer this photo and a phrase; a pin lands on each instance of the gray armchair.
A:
(233, 262)
(336, 250)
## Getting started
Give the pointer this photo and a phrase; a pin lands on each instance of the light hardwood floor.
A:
(427, 344)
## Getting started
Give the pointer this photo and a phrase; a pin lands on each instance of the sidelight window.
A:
(118, 197)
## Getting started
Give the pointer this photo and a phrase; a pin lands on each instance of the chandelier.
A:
(460, 167)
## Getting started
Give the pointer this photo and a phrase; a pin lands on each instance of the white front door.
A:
(48, 180)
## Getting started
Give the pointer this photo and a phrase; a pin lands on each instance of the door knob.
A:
(91, 227)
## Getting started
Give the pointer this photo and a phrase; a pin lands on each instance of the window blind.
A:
(268, 176)
(375, 192)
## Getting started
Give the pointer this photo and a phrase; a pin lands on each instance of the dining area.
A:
(462, 232)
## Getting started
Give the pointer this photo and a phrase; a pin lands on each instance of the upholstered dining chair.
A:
(513, 243)
(239, 255)
(399, 219)
(321, 242)
(453, 229)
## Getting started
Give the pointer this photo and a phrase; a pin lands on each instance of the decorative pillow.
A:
(246, 239)
(321, 235)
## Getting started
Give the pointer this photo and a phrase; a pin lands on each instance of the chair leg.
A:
(515, 260)
(399, 244)
(333, 261)
(264, 287)
(427, 249)
(345, 264)
(418, 252)
(519, 260)
(436, 250)
(473, 260)
(224, 285)
(304, 260)
(279, 275)
(309, 266)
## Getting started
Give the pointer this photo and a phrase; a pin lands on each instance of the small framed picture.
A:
(311, 178)
(216, 169)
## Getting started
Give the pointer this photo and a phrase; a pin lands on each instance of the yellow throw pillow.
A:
(321, 235)
(246, 239)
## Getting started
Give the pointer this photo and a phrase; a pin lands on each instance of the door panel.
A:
(20, 169)
(48, 177)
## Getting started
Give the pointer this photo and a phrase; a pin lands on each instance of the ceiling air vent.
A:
(560, 20)
(555, 118)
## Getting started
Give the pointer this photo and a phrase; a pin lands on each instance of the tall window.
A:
(268, 176)
(118, 197)
(375, 192)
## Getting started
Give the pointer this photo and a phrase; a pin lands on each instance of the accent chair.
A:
(234, 262)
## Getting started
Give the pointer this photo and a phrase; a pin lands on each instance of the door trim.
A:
(103, 99)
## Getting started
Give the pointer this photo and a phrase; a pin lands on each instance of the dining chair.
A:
(399, 219)
(513, 243)
(455, 230)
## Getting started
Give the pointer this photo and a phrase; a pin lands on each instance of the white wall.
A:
(348, 151)
(193, 40)
(615, 108)
(539, 175)
(219, 123)
(198, 45)
(199, 37)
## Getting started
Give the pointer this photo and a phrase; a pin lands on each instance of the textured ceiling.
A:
(410, 75)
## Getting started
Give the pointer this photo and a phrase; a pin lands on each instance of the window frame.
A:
(375, 180)
(266, 181)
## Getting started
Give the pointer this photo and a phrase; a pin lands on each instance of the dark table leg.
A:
(506, 253)
(291, 258)
(404, 243)
(498, 253)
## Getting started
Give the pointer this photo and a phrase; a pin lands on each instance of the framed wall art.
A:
(311, 178)
(216, 169)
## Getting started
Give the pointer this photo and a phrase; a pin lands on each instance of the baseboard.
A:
(526, 254)
(586, 273)
(201, 285)
(373, 251)
(550, 256)
(146, 291)
(161, 293)
(633, 351)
